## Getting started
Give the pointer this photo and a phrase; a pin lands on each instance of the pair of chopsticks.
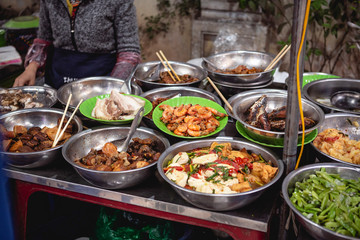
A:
(282, 53)
(167, 66)
(60, 132)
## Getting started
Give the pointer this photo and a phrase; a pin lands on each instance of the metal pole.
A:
(292, 116)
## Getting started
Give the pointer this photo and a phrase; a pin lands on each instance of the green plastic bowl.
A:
(88, 105)
(22, 22)
(157, 114)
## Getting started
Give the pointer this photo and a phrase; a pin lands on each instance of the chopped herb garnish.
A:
(349, 121)
(261, 158)
(246, 169)
(212, 177)
(218, 148)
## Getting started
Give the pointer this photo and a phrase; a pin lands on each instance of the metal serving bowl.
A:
(275, 101)
(219, 202)
(232, 59)
(315, 230)
(45, 95)
(34, 117)
(165, 92)
(320, 92)
(91, 87)
(345, 123)
(144, 70)
(230, 90)
(80, 145)
(241, 95)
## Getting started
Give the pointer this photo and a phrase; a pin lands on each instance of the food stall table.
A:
(154, 198)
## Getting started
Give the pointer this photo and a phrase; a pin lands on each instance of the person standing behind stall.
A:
(82, 38)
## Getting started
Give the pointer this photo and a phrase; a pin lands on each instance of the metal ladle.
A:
(135, 123)
(126, 87)
(154, 74)
(349, 100)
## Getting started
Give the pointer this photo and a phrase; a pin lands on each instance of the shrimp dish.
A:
(219, 169)
(191, 120)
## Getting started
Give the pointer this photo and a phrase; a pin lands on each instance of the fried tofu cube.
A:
(241, 187)
(18, 129)
(15, 147)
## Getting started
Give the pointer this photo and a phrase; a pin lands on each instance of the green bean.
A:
(330, 201)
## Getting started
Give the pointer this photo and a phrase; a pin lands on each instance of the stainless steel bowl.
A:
(219, 202)
(44, 95)
(232, 59)
(241, 95)
(320, 92)
(171, 91)
(275, 100)
(34, 117)
(315, 230)
(230, 90)
(345, 123)
(91, 87)
(145, 69)
(80, 145)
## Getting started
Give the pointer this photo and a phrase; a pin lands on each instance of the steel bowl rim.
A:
(238, 75)
(330, 115)
(321, 115)
(310, 84)
(155, 90)
(290, 176)
(242, 87)
(78, 167)
(264, 187)
(170, 84)
(78, 121)
(81, 80)
(47, 89)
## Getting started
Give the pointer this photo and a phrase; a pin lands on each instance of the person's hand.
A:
(28, 76)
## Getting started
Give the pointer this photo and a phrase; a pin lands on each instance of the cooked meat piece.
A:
(144, 149)
(263, 119)
(40, 136)
(34, 130)
(110, 150)
(18, 129)
(16, 146)
(279, 113)
(32, 143)
(25, 149)
(9, 134)
(26, 137)
(69, 128)
(146, 141)
(46, 144)
(308, 122)
(6, 144)
(103, 167)
(277, 125)
(156, 156)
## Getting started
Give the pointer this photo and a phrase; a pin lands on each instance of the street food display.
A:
(166, 78)
(219, 169)
(15, 99)
(241, 69)
(22, 140)
(191, 120)
(140, 153)
(338, 145)
(118, 106)
(257, 116)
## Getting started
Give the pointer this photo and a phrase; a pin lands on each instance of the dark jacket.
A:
(101, 26)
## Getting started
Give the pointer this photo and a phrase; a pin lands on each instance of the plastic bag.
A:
(119, 225)
(226, 40)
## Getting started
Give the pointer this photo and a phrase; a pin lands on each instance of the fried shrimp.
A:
(216, 112)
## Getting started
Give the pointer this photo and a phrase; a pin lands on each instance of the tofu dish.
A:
(219, 169)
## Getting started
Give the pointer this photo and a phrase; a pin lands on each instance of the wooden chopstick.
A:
(177, 77)
(67, 124)
(283, 51)
(167, 69)
(220, 94)
(62, 119)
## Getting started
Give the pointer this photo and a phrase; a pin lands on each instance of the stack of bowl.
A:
(230, 84)
(147, 74)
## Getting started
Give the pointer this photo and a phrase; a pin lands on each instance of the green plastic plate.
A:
(313, 76)
(22, 22)
(241, 129)
(187, 100)
(87, 106)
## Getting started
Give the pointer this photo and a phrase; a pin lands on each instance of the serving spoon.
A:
(154, 74)
(346, 100)
(126, 87)
(135, 123)
(211, 64)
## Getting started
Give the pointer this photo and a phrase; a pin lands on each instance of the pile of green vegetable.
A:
(330, 201)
